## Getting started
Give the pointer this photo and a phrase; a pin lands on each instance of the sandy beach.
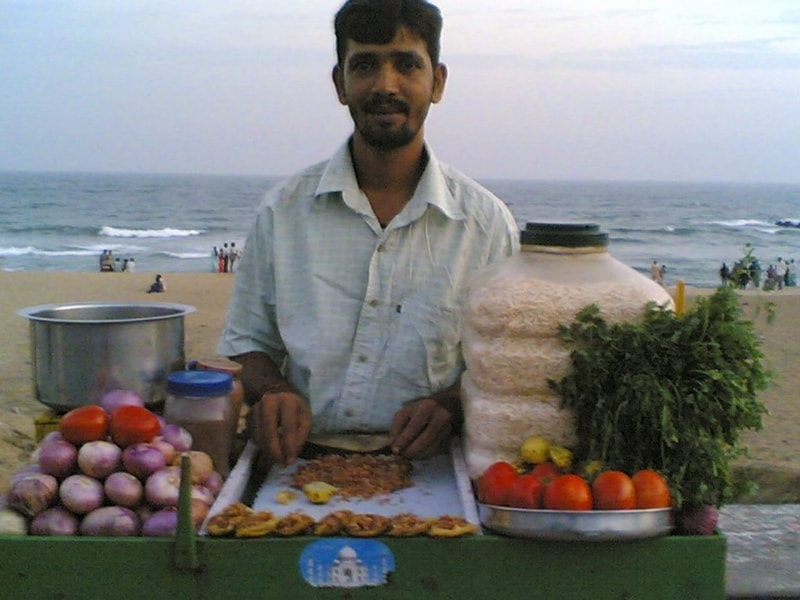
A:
(775, 451)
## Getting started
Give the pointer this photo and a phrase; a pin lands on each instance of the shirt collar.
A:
(432, 189)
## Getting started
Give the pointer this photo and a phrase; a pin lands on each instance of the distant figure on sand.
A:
(107, 261)
(214, 260)
(158, 285)
(724, 274)
(657, 273)
(234, 256)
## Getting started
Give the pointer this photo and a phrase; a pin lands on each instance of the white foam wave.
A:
(33, 251)
(166, 232)
(186, 254)
(743, 223)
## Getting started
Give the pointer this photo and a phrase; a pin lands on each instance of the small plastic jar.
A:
(200, 402)
(234, 369)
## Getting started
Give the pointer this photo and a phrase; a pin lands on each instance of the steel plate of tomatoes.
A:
(84, 424)
(133, 425)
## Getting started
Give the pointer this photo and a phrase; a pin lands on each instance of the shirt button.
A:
(380, 248)
(373, 303)
(349, 412)
(362, 358)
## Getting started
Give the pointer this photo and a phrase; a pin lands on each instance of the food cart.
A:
(485, 565)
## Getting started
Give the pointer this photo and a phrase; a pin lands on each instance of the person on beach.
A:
(656, 274)
(234, 256)
(214, 260)
(157, 286)
(346, 304)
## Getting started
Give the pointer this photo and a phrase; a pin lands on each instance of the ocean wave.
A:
(788, 222)
(185, 255)
(167, 232)
(34, 251)
(739, 223)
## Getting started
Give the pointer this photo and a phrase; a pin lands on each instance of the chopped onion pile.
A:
(99, 488)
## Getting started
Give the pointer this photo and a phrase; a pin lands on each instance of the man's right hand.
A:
(280, 424)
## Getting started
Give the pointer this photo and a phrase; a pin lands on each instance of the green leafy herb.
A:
(671, 393)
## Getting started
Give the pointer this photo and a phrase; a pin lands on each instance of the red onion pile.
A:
(100, 489)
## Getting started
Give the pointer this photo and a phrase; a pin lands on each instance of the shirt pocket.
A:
(427, 345)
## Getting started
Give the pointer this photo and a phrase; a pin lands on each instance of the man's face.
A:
(389, 89)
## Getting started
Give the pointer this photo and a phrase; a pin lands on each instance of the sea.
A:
(171, 223)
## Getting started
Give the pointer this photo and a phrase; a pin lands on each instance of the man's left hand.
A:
(421, 429)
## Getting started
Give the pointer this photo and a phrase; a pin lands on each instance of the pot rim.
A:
(33, 312)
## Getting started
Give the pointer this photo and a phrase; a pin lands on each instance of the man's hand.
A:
(421, 429)
(280, 424)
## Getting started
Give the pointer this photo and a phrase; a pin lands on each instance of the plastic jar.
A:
(234, 369)
(200, 402)
(511, 342)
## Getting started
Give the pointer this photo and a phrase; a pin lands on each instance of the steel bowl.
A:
(577, 525)
(82, 350)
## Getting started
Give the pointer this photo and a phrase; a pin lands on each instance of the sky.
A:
(674, 90)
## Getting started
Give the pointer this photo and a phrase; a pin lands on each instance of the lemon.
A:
(319, 492)
(592, 469)
(561, 456)
(535, 449)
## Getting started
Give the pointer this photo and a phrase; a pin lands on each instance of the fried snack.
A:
(332, 523)
(367, 525)
(256, 524)
(224, 522)
(356, 475)
(408, 525)
(449, 526)
(294, 524)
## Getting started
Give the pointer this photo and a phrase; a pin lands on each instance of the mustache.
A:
(383, 103)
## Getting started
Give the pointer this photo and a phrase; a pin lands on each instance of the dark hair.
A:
(377, 22)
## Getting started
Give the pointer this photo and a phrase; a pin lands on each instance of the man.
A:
(346, 305)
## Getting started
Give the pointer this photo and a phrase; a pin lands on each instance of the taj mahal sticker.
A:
(346, 563)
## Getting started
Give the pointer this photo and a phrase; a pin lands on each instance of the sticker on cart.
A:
(346, 563)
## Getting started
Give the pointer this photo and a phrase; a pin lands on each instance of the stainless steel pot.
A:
(82, 350)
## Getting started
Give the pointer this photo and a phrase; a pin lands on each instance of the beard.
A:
(385, 136)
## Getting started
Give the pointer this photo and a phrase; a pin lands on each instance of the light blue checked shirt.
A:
(366, 318)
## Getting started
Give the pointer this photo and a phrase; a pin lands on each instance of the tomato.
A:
(613, 490)
(526, 492)
(495, 483)
(133, 425)
(84, 424)
(652, 490)
(546, 472)
(568, 492)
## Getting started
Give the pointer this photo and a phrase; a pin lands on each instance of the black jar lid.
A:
(569, 235)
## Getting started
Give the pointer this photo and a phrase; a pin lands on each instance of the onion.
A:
(698, 519)
(203, 494)
(58, 459)
(116, 398)
(123, 489)
(54, 521)
(161, 523)
(200, 511)
(179, 437)
(13, 523)
(81, 494)
(161, 488)
(143, 460)
(213, 482)
(32, 493)
(111, 520)
(202, 465)
(167, 449)
(53, 436)
(99, 459)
